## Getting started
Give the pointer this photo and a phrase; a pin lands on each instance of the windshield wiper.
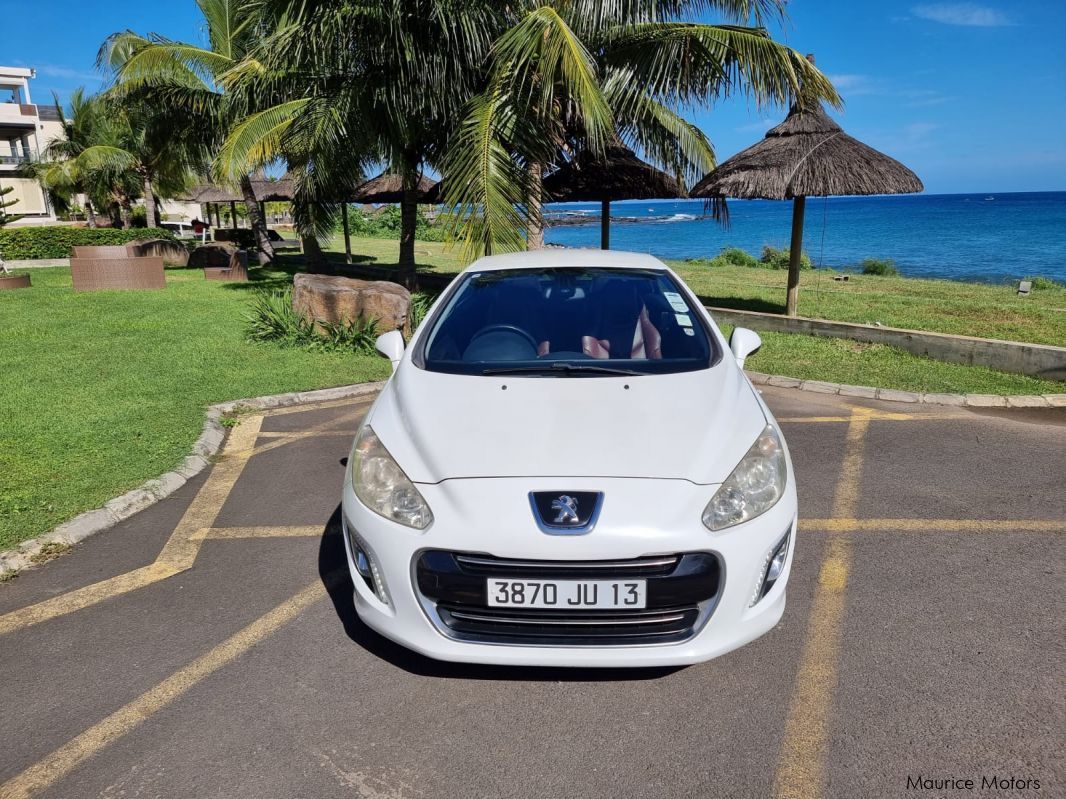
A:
(560, 367)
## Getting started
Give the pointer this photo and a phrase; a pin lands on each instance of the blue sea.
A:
(992, 238)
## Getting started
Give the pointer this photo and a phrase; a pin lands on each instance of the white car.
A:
(569, 467)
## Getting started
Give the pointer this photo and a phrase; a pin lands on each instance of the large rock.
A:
(216, 255)
(173, 253)
(324, 298)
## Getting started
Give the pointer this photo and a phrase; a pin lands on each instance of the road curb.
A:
(122, 507)
(895, 395)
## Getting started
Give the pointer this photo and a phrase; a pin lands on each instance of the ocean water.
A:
(989, 238)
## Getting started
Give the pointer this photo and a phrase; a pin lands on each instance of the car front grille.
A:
(681, 592)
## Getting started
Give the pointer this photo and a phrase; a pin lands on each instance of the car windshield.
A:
(567, 321)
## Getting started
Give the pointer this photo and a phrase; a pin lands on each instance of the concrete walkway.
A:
(208, 645)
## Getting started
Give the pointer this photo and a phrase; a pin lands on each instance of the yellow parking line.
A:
(361, 400)
(870, 413)
(296, 531)
(305, 434)
(936, 525)
(180, 550)
(66, 758)
(802, 759)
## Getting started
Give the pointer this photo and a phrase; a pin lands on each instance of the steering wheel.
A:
(505, 329)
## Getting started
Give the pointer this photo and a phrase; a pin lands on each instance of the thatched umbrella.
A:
(388, 188)
(281, 190)
(620, 175)
(806, 155)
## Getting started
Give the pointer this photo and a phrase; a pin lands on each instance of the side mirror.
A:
(743, 343)
(391, 346)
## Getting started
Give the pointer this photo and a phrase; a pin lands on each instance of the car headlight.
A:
(382, 486)
(754, 487)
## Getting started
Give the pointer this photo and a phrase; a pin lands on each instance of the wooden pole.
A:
(347, 234)
(605, 225)
(233, 213)
(794, 253)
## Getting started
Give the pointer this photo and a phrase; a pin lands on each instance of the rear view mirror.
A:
(744, 343)
(391, 346)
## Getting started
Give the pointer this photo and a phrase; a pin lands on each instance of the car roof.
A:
(566, 256)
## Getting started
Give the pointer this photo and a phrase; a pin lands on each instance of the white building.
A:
(25, 130)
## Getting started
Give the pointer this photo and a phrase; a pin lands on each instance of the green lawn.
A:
(102, 391)
(943, 306)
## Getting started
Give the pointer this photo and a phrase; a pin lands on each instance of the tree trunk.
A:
(794, 253)
(126, 212)
(90, 214)
(314, 260)
(408, 223)
(257, 220)
(605, 225)
(347, 234)
(535, 225)
(150, 219)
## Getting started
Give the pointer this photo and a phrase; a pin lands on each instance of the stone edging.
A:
(895, 395)
(122, 507)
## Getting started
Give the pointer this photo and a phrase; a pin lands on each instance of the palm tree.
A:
(120, 151)
(82, 127)
(190, 82)
(574, 75)
(358, 84)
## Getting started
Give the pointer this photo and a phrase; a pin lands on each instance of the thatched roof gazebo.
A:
(619, 175)
(806, 155)
(266, 191)
(388, 188)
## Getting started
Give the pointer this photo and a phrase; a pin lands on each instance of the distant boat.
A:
(989, 198)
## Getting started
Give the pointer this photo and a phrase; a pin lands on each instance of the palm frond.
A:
(485, 186)
(694, 63)
(546, 63)
(257, 140)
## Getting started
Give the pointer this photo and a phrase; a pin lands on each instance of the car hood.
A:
(692, 426)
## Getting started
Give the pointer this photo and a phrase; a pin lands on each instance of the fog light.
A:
(367, 566)
(773, 567)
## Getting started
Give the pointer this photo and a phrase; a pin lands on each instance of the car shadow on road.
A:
(333, 570)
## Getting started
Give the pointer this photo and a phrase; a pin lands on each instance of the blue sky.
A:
(971, 95)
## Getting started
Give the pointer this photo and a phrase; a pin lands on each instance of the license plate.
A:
(567, 594)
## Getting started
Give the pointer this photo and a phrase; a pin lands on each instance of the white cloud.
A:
(967, 14)
(59, 71)
(759, 126)
(852, 84)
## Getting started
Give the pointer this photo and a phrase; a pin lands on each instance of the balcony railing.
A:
(14, 160)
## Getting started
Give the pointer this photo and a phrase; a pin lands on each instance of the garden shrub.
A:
(777, 258)
(879, 266)
(1044, 283)
(729, 256)
(734, 256)
(271, 318)
(385, 224)
(55, 241)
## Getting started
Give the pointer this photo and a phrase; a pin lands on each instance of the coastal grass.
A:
(941, 306)
(104, 390)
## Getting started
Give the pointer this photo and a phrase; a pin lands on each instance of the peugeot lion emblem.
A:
(565, 512)
(567, 507)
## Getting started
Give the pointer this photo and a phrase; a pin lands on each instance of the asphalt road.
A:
(205, 648)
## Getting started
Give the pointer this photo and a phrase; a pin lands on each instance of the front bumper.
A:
(641, 519)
